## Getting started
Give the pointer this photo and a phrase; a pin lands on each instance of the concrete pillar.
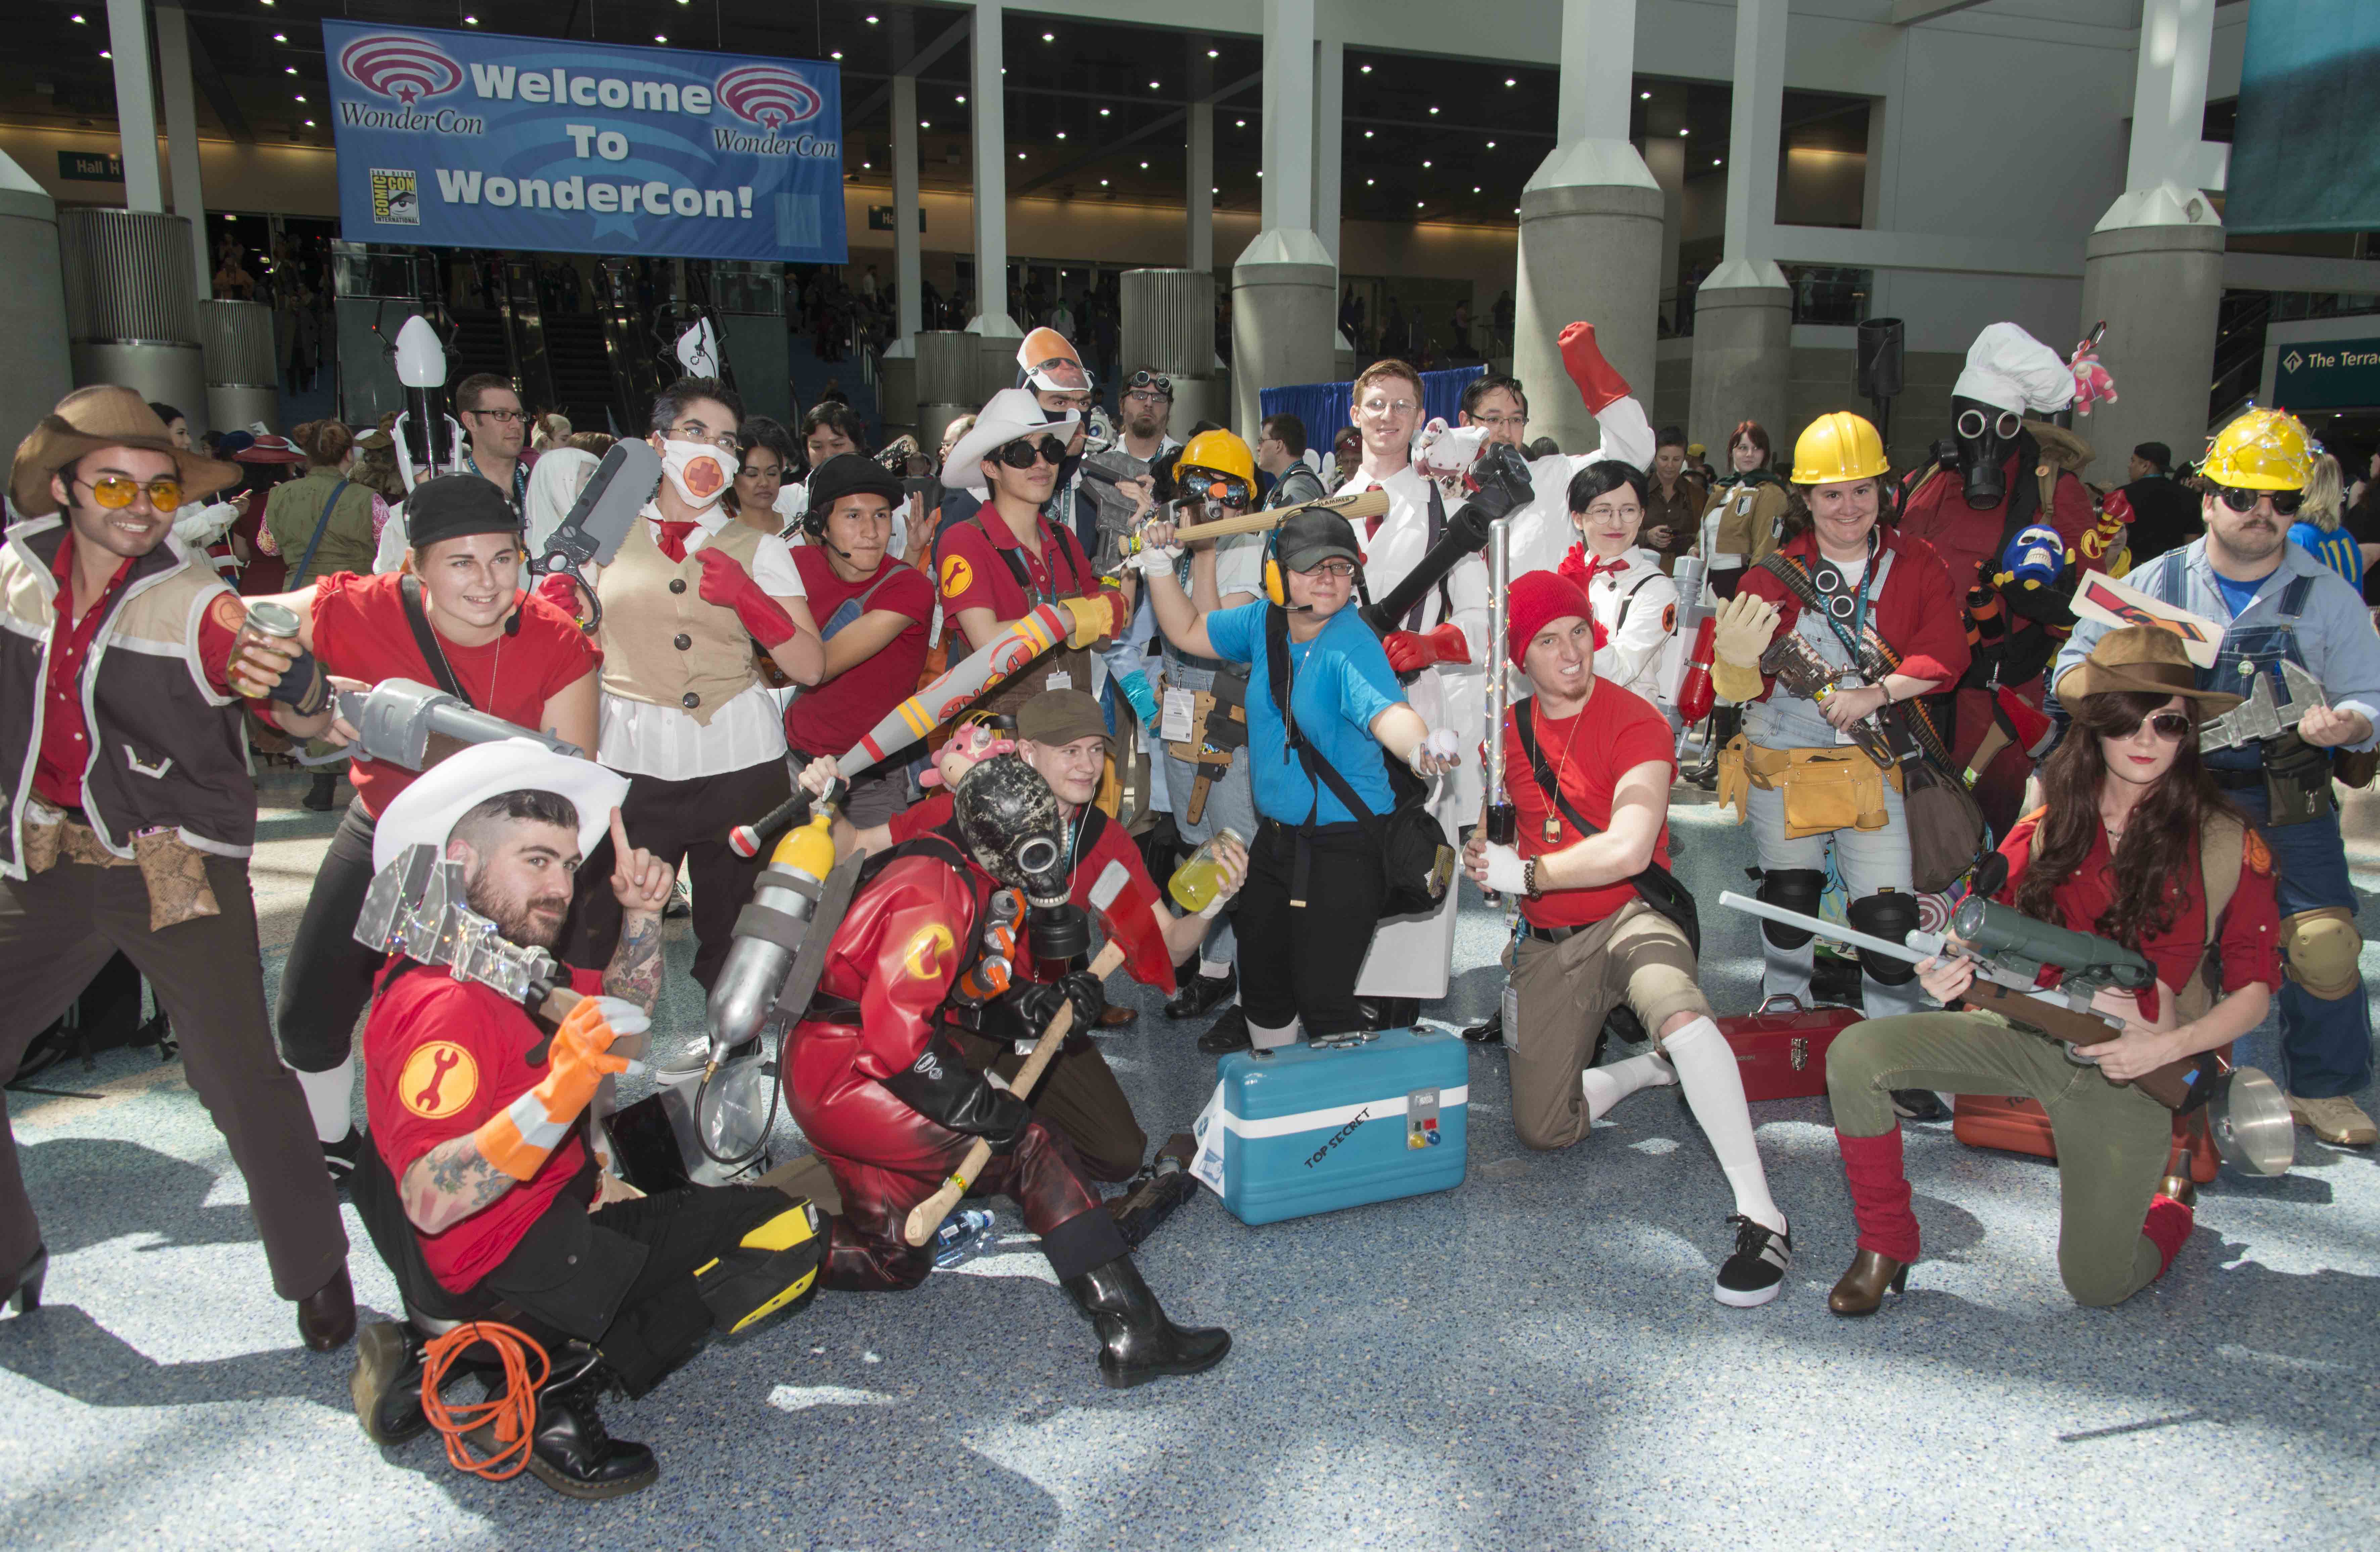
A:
(1743, 311)
(1198, 251)
(182, 133)
(908, 266)
(987, 106)
(136, 103)
(1591, 219)
(2153, 268)
(1664, 158)
(32, 305)
(1330, 122)
(1285, 288)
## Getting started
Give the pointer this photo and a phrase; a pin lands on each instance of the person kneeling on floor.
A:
(479, 1188)
(1593, 825)
(2137, 844)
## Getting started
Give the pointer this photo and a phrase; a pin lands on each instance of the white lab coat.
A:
(1638, 607)
(1541, 532)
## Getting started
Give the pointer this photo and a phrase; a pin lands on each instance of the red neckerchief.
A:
(672, 542)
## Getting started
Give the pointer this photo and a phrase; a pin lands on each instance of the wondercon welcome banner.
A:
(466, 139)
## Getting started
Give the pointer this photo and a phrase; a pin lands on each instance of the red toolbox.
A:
(1780, 1048)
(2014, 1126)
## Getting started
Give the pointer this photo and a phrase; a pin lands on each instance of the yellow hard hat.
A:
(1836, 447)
(2262, 450)
(1219, 453)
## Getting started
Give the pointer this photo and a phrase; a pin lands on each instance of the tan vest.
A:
(662, 643)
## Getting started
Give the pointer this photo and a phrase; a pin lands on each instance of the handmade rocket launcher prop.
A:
(1361, 503)
(409, 723)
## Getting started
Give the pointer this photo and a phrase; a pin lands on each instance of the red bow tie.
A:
(673, 539)
(1596, 566)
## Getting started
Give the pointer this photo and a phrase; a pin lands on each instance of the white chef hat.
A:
(2010, 370)
(425, 812)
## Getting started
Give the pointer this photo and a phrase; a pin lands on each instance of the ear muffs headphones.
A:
(1275, 588)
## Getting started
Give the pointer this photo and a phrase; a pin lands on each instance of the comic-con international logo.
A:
(395, 197)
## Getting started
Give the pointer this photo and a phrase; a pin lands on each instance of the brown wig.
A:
(2156, 869)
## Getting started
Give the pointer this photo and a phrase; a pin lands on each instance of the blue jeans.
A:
(2326, 1045)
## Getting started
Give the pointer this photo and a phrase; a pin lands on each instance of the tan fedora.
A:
(104, 416)
(2144, 660)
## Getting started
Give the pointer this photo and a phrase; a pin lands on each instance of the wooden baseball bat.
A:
(928, 1215)
(1361, 503)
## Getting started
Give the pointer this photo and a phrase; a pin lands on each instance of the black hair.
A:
(1670, 436)
(762, 432)
(165, 412)
(1601, 478)
(671, 401)
(1542, 447)
(1479, 387)
(469, 392)
(1288, 431)
(542, 807)
(2155, 453)
(836, 416)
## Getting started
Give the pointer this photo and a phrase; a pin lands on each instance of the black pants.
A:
(660, 1321)
(1300, 961)
(327, 981)
(684, 824)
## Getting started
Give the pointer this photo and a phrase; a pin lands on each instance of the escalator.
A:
(2238, 351)
(582, 373)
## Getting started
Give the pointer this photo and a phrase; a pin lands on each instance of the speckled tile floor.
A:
(1533, 1360)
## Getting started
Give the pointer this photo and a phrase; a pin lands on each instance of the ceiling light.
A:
(962, 98)
(1417, 204)
(1683, 132)
(1424, 164)
(837, 54)
(1643, 96)
(105, 53)
(277, 37)
(923, 125)
(1511, 82)
(310, 123)
(468, 21)
(1365, 69)
(1368, 182)
(1239, 123)
(289, 69)
(1491, 145)
(1103, 113)
(1713, 161)
(1216, 191)
(1214, 54)
(1144, 166)
(1474, 190)
(1153, 86)
(1368, 134)
(1049, 37)
(871, 21)
(79, 21)
(301, 99)
(1260, 172)
(868, 163)
(1020, 156)
(1433, 110)
(1062, 134)
(661, 38)
(1103, 183)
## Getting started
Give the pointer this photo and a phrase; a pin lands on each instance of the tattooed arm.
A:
(449, 1183)
(635, 973)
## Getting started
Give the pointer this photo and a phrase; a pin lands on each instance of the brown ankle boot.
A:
(1862, 1288)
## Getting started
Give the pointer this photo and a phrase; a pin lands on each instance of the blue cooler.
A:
(1306, 1130)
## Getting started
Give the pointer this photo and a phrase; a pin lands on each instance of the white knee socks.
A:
(1705, 1065)
(1606, 1086)
(328, 1096)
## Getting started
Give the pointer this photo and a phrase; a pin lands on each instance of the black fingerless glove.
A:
(938, 1087)
(304, 687)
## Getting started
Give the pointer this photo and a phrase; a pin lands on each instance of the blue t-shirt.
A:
(2237, 596)
(1338, 682)
(2335, 550)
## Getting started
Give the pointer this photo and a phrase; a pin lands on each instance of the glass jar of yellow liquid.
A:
(1195, 884)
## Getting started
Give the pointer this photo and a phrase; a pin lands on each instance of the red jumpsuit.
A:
(899, 948)
(1938, 513)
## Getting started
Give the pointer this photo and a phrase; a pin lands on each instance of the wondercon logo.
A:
(768, 95)
(403, 68)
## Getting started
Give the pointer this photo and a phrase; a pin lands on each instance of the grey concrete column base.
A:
(2160, 289)
(996, 339)
(1743, 359)
(1588, 252)
(1284, 325)
(32, 308)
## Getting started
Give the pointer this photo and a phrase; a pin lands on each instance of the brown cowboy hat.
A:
(92, 419)
(2147, 659)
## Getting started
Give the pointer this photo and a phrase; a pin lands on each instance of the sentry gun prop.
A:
(410, 723)
(2246, 1114)
(2260, 716)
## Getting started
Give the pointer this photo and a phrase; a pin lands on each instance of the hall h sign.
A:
(2335, 374)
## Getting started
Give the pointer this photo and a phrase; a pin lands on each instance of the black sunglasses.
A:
(2285, 502)
(1020, 453)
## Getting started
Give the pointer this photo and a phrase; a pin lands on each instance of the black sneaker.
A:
(1918, 1104)
(1226, 1034)
(340, 1157)
(1756, 1273)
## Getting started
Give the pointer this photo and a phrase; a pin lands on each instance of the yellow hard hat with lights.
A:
(1836, 447)
(1217, 453)
(2261, 450)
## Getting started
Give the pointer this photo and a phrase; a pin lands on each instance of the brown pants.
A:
(57, 928)
(1566, 989)
(1077, 1098)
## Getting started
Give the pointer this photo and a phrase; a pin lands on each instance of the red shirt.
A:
(1617, 730)
(973, 575)
(441, 1056)
(1130, 913)
(831, 718)
(65, 737)
(1916, 612)
(361, 633)
(2249, 947)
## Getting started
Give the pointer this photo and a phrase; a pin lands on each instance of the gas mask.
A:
(696, 470)
(1009, 819)
(1988, 438)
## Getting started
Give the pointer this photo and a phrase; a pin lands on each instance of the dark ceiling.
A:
(1094, 112)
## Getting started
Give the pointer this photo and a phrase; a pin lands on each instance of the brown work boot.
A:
(2337, 1121)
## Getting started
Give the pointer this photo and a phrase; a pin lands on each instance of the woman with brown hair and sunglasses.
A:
(2135, 843)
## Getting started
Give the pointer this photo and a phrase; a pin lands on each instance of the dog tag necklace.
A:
(1553, 828)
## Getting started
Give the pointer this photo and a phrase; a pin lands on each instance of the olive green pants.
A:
(2112, 1142)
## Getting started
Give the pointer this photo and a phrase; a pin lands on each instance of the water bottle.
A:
(1194, 883)
(963, 1236)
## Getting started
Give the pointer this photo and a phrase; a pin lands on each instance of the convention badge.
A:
(1178, 722)
(1421, 1119)
(439, 1079)
(1060, 680)
(956, 575)
(1208, 1167)
(1511, 1012)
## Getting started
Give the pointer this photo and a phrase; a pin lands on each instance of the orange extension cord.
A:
(513, 1413)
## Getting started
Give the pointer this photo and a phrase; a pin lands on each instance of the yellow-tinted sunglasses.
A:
(114, 491)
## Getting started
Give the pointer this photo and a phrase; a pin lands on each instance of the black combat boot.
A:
(574, 1456)
(387, 1383)
(1136, 1342)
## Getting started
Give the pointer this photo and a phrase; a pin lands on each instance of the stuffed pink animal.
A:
(2091, 383)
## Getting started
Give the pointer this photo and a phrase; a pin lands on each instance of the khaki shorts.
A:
(1566, 989)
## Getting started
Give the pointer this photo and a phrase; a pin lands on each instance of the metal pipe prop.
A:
(928, 1215)
(1360, 504)
(1501, 820)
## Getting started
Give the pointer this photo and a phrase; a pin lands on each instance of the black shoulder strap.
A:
(1316, 768)
(2294, 596)
(1437, 529)
(408, 589)
(941, 844)
(1524, 724)
(321, 525)
(1656, 885)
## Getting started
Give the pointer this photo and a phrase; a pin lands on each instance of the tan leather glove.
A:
(1737, 682)
(1746, 625)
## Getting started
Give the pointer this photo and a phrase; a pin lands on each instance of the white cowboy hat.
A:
(425, 812)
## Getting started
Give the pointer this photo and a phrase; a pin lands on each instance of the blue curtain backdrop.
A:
(2307, 156)
(1324, 407)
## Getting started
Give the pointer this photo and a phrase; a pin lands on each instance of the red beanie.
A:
(1537, 599)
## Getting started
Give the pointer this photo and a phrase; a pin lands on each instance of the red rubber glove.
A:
(1410, 651)
(562, 591)
(727, 584)
(1598, 383)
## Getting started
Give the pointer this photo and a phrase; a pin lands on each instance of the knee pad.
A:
(1790, 888)
(774, 1266)
(1891, 917)
(2322, 946)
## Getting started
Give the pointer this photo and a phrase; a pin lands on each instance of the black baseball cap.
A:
(1311, 538)
(456, 505)
(848, 474)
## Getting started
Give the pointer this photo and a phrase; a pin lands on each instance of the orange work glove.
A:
(518, 1138)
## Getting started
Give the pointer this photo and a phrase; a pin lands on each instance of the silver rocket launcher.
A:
(410, 723)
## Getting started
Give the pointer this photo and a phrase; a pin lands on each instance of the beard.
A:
(533, 923)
